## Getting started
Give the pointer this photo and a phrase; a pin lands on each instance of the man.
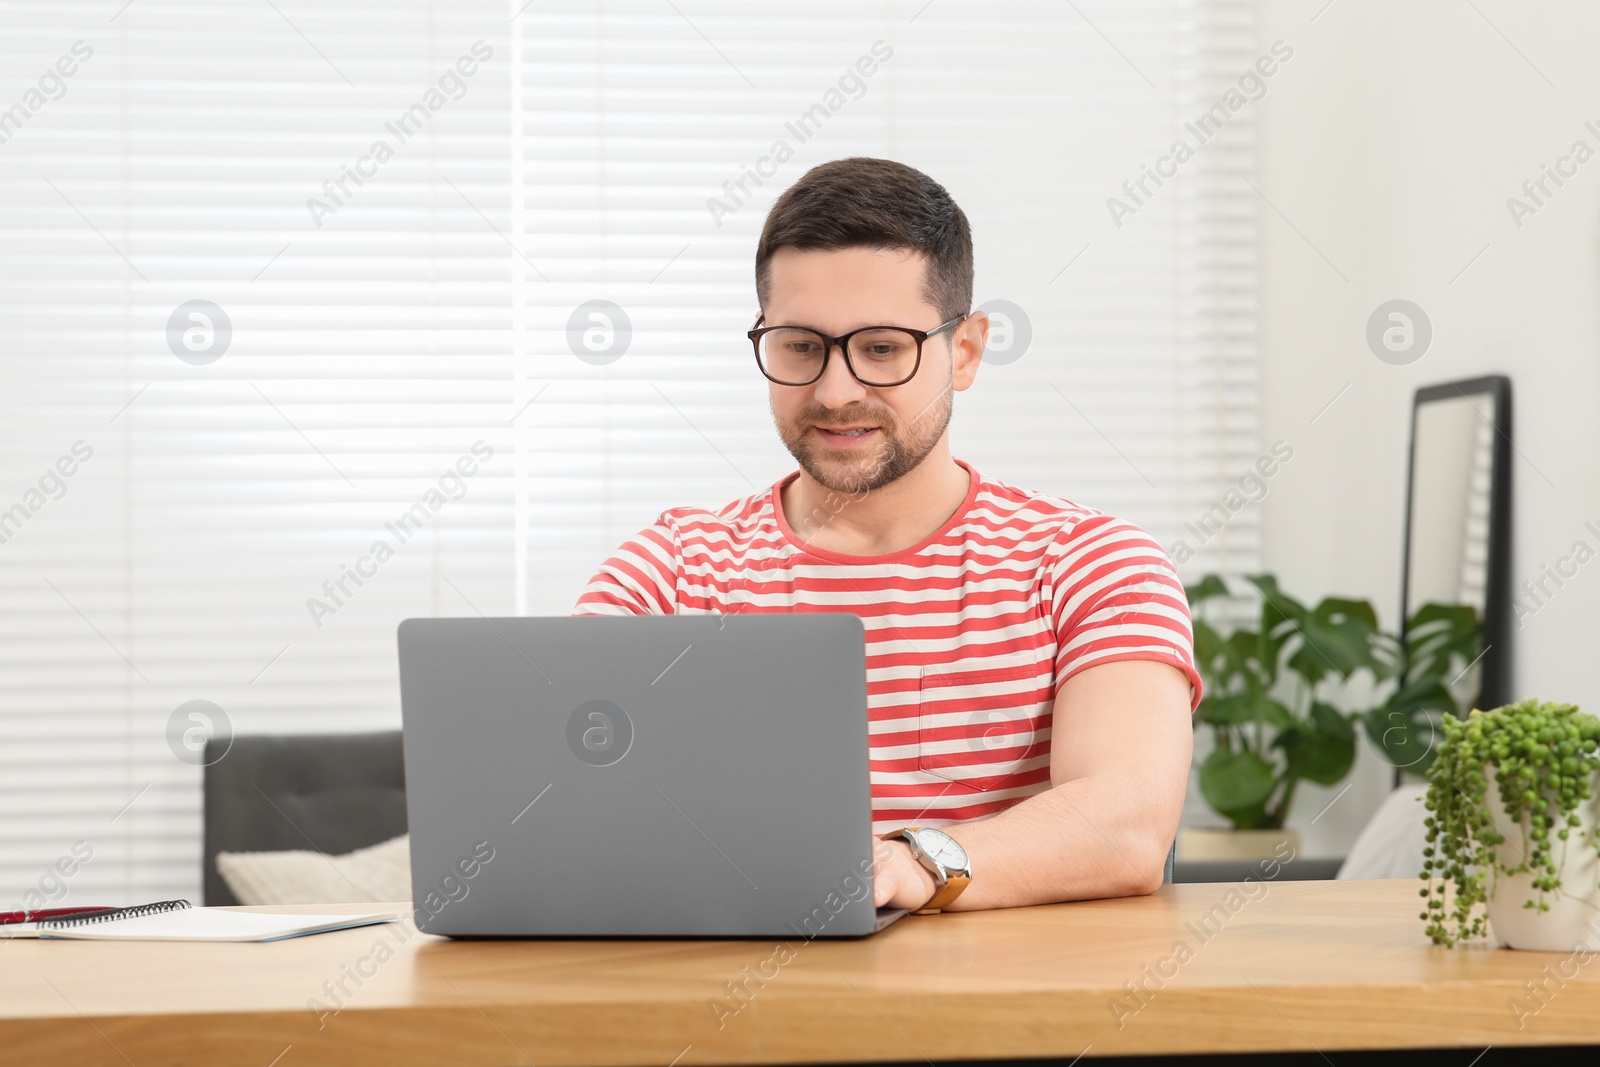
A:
(1030, 662)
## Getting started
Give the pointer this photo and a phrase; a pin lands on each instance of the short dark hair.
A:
(862, 202)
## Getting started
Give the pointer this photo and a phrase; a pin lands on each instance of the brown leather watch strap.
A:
(942, 897)
(954, 882)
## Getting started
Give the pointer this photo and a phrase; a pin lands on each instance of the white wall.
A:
(1391, 142)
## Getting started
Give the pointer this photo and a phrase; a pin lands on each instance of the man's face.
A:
(841, 290)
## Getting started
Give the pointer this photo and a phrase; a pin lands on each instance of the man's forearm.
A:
(1088, 838)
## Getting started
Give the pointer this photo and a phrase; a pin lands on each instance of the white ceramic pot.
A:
(1574, 915)
(1206, 843)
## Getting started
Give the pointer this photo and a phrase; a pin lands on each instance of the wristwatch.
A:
(942, 855)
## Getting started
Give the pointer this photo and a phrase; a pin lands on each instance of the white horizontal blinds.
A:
(430, 310)
(367, 354)
(631, 121)
(1226, 469)
(1135, 394)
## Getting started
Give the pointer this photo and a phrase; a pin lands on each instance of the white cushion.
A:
(1390, 845)
(380, 872)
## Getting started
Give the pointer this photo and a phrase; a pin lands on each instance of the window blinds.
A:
(240, 473)
(342, 313)
(654, 137)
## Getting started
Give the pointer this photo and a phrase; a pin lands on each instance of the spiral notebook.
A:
(178, 920)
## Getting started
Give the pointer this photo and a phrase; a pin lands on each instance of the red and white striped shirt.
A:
(969, 634)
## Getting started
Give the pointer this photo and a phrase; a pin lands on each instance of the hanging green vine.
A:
(1544, 757)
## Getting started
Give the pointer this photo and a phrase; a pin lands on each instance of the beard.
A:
(854, 471)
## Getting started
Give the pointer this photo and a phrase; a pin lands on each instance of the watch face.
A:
(943, 849)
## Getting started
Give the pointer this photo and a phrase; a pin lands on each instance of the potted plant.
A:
(1440, 643)
(1512, 840)
(1268, 703)
(1272, 693)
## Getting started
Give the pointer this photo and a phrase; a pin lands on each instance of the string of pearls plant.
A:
(1544, 758)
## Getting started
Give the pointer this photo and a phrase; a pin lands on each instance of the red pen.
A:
(8, 918)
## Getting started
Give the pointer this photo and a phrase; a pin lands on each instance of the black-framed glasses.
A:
(876, 355)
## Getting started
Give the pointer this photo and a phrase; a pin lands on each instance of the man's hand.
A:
(898, 880)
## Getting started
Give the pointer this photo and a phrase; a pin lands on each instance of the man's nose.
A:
(838, 387)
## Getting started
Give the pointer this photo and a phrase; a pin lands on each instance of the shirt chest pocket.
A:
(986, 726)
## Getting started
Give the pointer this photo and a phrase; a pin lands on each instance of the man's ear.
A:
(968, 341)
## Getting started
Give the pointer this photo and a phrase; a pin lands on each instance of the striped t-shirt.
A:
(969, 634)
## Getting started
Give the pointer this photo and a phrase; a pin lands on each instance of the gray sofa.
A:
(324, 792)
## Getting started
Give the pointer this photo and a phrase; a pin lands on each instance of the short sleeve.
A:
(640, 578)
(1115, 595)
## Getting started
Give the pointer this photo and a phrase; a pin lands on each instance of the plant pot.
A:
(1574, 914)
(1202, 844)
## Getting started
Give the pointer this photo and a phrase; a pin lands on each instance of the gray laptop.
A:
(663, 776)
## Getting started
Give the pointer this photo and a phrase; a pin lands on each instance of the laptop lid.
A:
(660, 776)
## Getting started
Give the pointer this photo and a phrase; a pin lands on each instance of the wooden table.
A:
(1304, 967)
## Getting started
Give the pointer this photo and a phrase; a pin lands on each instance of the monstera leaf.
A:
(1238, 785)
(1209, 586)
(1236, 709)
(1337, 638)
(1405, 727)
(1280, 619)
(1322, 749)
(1440, 635)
